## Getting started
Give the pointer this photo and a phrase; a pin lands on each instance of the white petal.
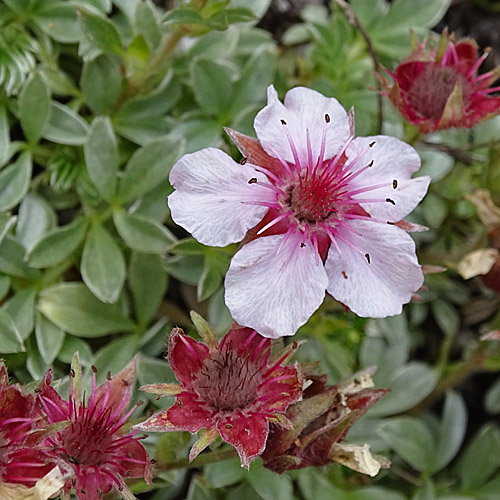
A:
(209, 190)
(304, 110)
(275, 293)
(393, 160)
(381, 287)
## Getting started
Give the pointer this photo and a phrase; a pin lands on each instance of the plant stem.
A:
(205, 459)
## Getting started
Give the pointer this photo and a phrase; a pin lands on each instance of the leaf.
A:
(4, 286)
(149, 166)
(14, 182)
(4, 136)
(101, 83)
(492, 398)
(256, 76)
(451, 431)
(142, 233)
(480, 459)
(34, 108)
(210, 279)
(114, 356)
(212, 85)
(21, 308)
(6, 222)
(36, 217)
(148, 282)
(143, 119)
(49, 338)
(101, 156)
(58, 244)
(446, 317)
(58, 20)
(103, 265)
(147, 24)
(74, 344)
(10, 340)
(224, 474)
(101, 32)
(73, 307)
(268, 485)
(65, 126)
(12, 259)
(411, 439)
(410, 384)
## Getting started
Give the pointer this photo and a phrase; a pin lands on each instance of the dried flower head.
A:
(92, 451)
(317, 209)
(233, 388)
(438, 89)
(320, 423)
(22, 460)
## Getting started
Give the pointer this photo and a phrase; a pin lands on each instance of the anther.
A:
(180, 404)
(367, 256)
(327, 118)
(72, 372)
(389, 200)
(152, 461)
(229, 426)
(283, 122)
(344, 275)
(125, 382)
(302, 245)
(253, 180)
(108, 376)
(394, 184)
(94, 369)
(370, 164)
(372, 144)
(243, 161)
(391, 223)
(140, 403)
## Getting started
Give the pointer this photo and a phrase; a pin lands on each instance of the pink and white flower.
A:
(317, 209)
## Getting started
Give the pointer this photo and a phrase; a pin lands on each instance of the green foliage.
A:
(100, 98)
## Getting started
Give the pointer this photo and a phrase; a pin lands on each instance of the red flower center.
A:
(86, 442)
(313, 198)
(432, 88)
(228, 380)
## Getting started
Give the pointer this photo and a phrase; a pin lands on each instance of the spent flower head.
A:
(233, 388)
(439, 88)
(23, 462)
(317, 208)
(93, 452)
(320, 423)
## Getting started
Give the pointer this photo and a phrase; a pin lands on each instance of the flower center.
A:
(431, 90)
(228, 381)
(85, 442)
(311, 198)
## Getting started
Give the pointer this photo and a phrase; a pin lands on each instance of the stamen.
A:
(275, 221)
(348, 243)
(287, 235)
(267, 172)
(295, 153)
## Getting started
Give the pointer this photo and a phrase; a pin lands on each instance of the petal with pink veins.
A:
(212, 196)
(378, 288)
(247, 435)
(303, 109)
(275, 292)
(394, 162)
